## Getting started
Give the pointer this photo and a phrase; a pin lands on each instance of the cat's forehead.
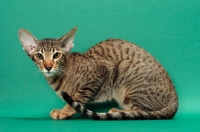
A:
(48, 43)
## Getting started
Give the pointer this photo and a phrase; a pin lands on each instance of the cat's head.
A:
(48, 54)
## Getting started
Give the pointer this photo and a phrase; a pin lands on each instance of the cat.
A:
(113, 70)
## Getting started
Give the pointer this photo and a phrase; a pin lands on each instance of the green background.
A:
(168, 29)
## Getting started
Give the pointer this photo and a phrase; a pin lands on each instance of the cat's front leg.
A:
(66, 113)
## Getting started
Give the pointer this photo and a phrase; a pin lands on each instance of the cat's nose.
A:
(48, 65)
(48, 68)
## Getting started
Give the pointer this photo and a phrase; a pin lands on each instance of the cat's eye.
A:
(56, 55)
(39, 56)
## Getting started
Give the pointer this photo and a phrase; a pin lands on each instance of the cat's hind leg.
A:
(129, 104)
(113, 110)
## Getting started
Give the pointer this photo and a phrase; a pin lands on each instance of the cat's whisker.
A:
(60, 72)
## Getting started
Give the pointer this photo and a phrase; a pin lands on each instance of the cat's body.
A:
(113, 70)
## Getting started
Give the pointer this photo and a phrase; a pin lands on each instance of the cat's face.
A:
(48, 54)
(49, 57)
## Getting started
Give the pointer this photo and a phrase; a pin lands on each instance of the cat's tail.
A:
(165, 113)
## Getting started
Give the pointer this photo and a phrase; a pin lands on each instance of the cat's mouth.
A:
(48, 73)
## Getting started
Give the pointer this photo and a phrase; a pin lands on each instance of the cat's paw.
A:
(113, 110)
(59, 115)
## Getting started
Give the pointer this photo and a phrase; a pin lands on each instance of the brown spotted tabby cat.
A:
(113, 70)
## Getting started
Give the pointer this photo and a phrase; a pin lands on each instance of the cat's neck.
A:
(54, 81)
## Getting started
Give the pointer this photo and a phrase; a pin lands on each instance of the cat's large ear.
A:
(29, 42)
(66, 42)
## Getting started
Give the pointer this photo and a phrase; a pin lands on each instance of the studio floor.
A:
(181, 123)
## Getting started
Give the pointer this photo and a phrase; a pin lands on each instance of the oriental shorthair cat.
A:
(112, 70)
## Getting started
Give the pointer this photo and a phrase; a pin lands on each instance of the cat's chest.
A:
(65, 83)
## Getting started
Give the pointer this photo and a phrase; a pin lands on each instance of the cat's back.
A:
(115, 50)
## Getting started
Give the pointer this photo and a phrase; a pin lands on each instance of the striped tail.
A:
(133, 115)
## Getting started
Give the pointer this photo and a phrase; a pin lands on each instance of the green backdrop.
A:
(168, 29)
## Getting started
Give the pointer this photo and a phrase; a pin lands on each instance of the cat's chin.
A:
(48, 74)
